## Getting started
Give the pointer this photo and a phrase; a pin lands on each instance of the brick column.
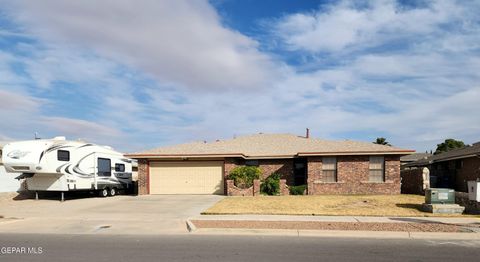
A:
(229, 187)
(256, 187)
(314, 172)
(143, 183)
(228, 166)
(284, 188)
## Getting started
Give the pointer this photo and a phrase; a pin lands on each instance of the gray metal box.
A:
(439, 196)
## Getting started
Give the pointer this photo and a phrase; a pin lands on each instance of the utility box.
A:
(474, 190)
(439, 196)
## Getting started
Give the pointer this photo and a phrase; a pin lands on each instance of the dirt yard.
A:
(311, 225)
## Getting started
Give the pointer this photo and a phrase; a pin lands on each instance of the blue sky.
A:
(142, 74)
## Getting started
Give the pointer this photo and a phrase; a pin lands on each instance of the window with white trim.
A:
(376, 169)
(329, 169)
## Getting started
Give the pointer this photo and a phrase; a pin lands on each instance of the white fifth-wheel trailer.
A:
(60, 165)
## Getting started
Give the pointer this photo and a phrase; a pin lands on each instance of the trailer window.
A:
(63, 155)
(119, 168)
(104, 167)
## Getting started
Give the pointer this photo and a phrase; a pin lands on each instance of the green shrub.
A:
(297, 190)
(271, 185)
(243, 176)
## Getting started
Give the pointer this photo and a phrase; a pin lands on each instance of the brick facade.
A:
(352, 177)
(455, 173)
(268, 166)
(413, 181)
(469, 171)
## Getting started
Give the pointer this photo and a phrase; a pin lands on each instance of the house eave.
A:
(349, 153)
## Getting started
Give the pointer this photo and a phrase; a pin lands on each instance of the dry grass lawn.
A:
(324, 205)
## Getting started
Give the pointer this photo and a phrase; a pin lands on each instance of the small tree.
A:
(271, 185)
(243, 176)
(448, 145)
(381, 141)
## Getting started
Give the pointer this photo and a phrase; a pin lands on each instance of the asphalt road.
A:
(228, 248)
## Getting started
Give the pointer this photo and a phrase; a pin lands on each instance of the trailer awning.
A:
(24, 175)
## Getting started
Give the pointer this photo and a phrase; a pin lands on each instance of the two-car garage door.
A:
(186, 177)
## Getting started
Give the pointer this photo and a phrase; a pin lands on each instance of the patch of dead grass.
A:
(325, 205)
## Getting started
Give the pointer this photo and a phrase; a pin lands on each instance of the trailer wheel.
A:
(103, 192)
(112, 192)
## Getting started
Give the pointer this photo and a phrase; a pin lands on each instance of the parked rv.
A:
(60, 165)
(7, 181)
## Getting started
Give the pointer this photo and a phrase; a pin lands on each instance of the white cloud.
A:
(415, 95)
(345, 26)
(180, 42)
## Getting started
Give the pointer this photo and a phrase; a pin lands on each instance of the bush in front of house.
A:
(243, 176)
(297, 190)
(271, 185)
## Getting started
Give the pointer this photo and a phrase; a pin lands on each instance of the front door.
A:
(300, 171)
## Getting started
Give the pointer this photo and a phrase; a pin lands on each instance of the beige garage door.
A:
(186, 177)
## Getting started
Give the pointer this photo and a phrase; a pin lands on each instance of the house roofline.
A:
(456, 157)
(182, 155)
(403, 152)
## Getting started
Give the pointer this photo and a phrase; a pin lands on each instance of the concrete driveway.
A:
(152, 214)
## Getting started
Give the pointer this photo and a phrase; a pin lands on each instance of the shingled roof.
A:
(415, 157)
(467, 151)
(270, 146)
(464, 152)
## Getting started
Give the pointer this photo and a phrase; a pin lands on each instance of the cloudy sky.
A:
(141, 74)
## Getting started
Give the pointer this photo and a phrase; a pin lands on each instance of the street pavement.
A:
(141, 248)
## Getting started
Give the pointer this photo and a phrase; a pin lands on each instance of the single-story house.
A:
(326, 167)
(452, 169)
(404, 160)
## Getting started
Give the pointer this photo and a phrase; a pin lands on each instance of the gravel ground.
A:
(311, 225)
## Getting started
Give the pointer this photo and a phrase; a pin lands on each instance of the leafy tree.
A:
(381, 141)
(448, 145)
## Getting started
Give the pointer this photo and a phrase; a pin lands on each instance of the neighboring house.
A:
(8, 183)
(326, 167)
(454, 168)
(404, 160)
